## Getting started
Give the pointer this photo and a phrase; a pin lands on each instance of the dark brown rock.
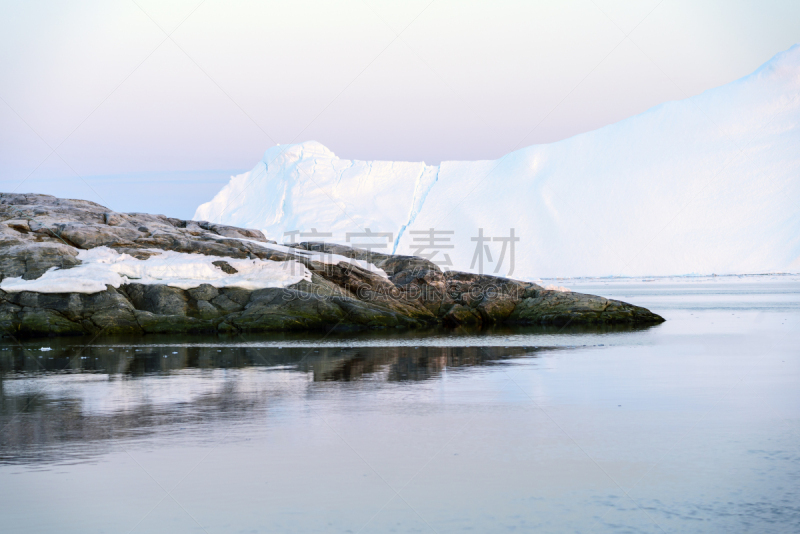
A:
(459, 315)
(161, 300)
(203, 292)
(40, 232)
(562, 308)
(31, 260)
(225, 267)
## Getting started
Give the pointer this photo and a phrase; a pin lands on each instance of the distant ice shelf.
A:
(709, 184)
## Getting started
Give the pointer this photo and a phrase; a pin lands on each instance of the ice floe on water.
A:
(103, 266)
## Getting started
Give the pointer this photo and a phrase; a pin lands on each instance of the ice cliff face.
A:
(709, 184)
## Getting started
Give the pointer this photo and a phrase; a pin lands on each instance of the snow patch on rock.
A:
(103, 266)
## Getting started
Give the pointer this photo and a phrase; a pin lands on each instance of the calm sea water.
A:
(689, 426)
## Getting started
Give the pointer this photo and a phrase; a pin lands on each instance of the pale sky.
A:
(140, 121)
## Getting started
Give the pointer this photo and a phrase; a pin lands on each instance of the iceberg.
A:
(708, 184)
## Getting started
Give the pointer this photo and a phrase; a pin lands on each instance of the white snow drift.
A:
(100, 266)
(709, 184)
(323, 257)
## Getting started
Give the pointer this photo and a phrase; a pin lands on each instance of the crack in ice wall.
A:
(421, 189)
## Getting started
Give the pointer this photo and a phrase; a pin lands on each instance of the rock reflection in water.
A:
(401, 363)
(95, 395)
(326, 363)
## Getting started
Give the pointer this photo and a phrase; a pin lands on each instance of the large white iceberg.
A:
(710, 184)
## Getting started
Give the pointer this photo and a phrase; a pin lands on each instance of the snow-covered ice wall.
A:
(709, 184)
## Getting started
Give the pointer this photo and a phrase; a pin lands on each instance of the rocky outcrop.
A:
(41, 232)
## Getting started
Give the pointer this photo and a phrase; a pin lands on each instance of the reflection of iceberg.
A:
(709, 184)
